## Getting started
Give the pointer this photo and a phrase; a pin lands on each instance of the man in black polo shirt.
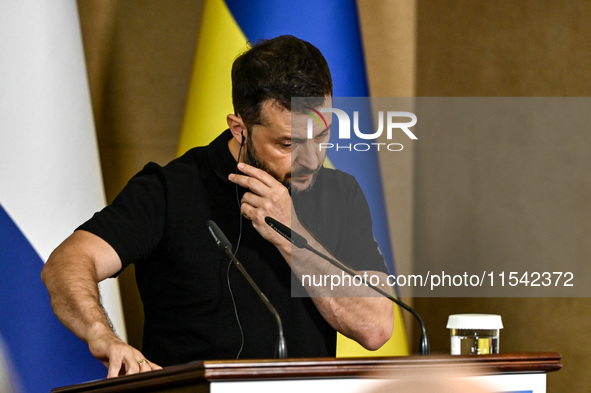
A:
(197, 306)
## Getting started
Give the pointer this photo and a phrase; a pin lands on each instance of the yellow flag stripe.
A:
(210, 93)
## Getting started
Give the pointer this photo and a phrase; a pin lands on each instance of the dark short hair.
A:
(278, 69)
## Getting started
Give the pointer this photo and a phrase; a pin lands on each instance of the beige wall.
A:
(507, 48)
(140, 52)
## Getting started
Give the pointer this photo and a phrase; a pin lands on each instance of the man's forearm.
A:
(369, 321)
(72, 283)
(351, 307)
(71, 275)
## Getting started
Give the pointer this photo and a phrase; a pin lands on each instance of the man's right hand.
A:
(119, 357)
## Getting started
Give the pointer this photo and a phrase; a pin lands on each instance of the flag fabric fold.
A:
(50, 182)
(333, 27)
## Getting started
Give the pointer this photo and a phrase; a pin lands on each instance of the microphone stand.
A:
(224, 244)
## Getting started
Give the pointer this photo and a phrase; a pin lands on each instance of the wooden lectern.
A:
(503, 372)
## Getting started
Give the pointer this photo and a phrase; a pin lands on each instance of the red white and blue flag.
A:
(50, 182)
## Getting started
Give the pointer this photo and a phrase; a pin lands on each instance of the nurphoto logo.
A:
(396, 121)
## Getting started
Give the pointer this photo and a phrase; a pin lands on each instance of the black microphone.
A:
(222, 242)
(220, 239)
(301, 242)
(297, 239)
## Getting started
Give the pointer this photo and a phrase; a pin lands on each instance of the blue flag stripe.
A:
(44, 353)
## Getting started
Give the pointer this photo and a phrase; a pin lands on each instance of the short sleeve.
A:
(133, 224)
(360, 248)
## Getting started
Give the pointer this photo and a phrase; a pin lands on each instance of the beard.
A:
(252, 158)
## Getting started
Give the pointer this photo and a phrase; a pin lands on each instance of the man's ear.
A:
(237, 127)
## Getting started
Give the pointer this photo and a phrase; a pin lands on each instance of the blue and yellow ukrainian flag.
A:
(333, 27)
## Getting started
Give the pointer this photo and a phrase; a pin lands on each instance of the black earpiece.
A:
(242, 141)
